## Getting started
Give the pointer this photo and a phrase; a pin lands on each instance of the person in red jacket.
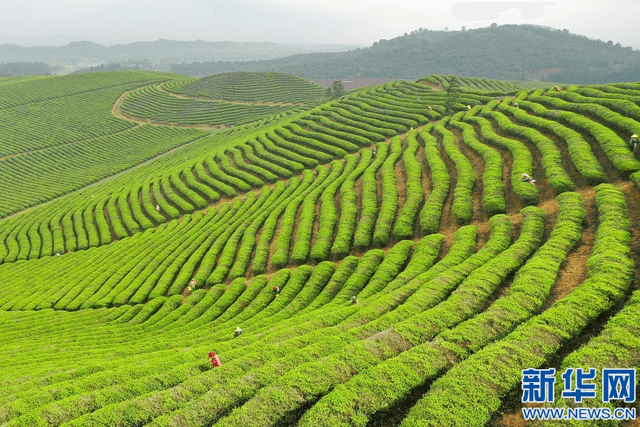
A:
(215, 360)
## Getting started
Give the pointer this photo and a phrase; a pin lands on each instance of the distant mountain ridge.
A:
(159, 51)
(520, 52)
(55, 40)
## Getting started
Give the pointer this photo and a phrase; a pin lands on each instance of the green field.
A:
(144, 216)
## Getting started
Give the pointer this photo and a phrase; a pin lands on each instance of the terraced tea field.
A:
(145, 216)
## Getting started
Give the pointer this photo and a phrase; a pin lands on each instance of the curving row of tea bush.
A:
(150, 102)
(126, 334)
(609, 277)
(613, 146)
(63, 111)
(251, 87)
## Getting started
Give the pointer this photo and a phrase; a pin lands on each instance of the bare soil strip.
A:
(438, 88)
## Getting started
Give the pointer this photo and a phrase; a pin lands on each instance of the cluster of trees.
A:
(26, 69)
(336, 90)
(453, 96)
(109, 67)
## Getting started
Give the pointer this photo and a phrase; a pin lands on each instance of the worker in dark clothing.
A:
(276, 290)
(237, 332)
(354, 299)
(634, 146)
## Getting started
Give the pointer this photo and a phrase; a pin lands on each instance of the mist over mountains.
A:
(520, 52)
(56, 40)
(158, 52)
(517, 52)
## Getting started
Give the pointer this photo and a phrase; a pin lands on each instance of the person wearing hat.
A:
(238, 332)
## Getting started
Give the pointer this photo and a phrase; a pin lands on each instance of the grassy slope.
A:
(126, 341)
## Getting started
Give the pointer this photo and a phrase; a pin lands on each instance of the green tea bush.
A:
(493, 194)
(609, 276)
(369, 211)
(387, 210)
(349, 209)
(327, 218)
(462, 207)
(302, 242)
(415, 194)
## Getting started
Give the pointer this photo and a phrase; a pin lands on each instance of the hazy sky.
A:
(359, 22)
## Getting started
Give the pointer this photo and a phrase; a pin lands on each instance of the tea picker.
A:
(215, 360)
(527, 178)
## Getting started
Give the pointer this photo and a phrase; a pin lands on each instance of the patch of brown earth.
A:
(435, 87)
(573, 270)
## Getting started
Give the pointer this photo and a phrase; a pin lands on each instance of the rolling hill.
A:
(384, 259)
(513, 52)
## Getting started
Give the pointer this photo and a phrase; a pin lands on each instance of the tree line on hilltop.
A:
(510, 52)
(507, 52)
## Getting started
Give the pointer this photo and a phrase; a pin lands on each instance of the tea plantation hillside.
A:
(381, 253)
(252, 87)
